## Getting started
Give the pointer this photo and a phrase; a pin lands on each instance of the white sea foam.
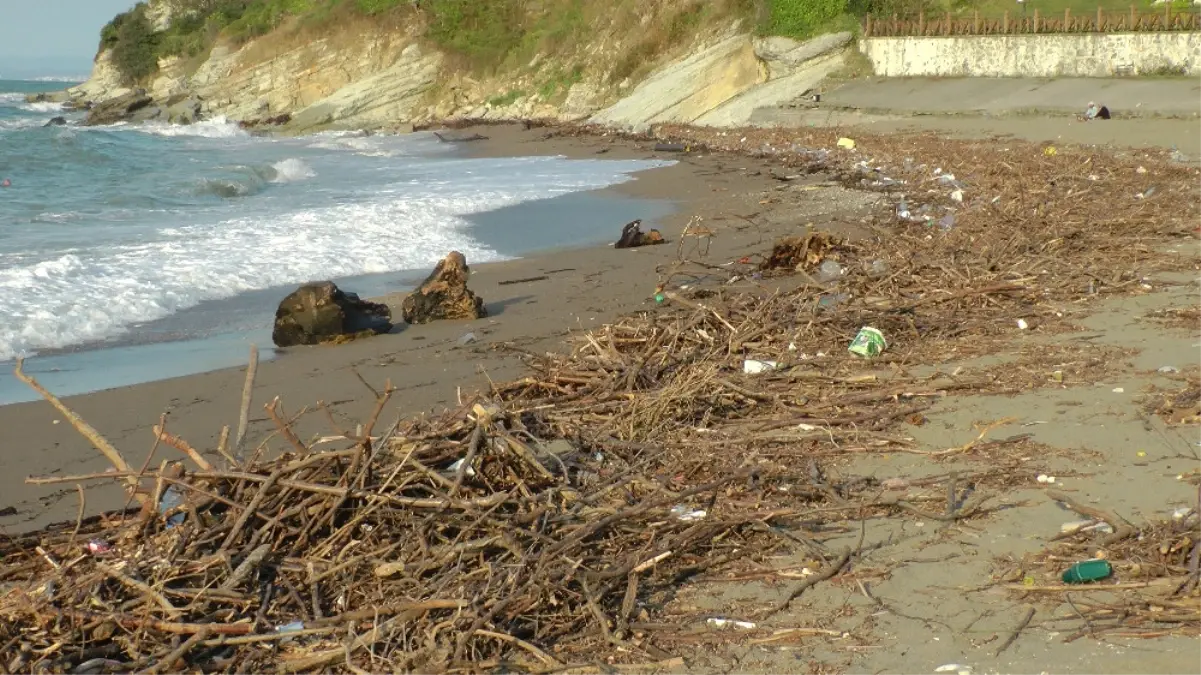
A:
(217, 127)
(20, 123)
(291, 170)
(74, 296)
(42, 107)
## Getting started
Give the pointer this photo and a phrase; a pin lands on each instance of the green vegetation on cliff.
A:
(486, 35)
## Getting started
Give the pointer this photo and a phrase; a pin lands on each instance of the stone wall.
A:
(1084, 55)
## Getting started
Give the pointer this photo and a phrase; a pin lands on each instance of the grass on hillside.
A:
(486, 35)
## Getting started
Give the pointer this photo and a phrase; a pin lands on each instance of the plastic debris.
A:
(1086, 526)
(868, 343)
(290, 627)
(1145, 193)
(1182, 513)
(1168, 369)
(1140, 170)
(685, 514)
(731, 623)
(755, 366)
(1088, 570)
(99, 547)
(947, 222)
(467, 339)
(847, 143)
(1049, 151)
(1022, 325)
(903, 210)
(1119, 390)
(829, 270)
(831, 299)
(958, 668)
(877, 268)
(957, 195)
(1044, 478)
(454, 468)
(172, 498)
(97, 665)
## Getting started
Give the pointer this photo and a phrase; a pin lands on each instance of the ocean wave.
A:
(57, 78)
(73, 298)
(56, 299)
(20, 123)
(291, 170)
(217, 127)
(42, 107)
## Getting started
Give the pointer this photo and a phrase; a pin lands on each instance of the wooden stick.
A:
(829, 571)
(1121, 529)
(168, 663)
(247, 395)
(85, 429)
(285, 427)
(140, 587)
(140, 622)
(223, 447)
(83, 503)
(183, 446)
(1016, 631)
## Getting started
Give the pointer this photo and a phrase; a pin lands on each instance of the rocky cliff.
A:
(628, 71)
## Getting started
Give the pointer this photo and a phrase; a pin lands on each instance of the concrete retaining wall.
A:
(1087, 55)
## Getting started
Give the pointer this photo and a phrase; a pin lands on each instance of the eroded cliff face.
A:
(390, 80)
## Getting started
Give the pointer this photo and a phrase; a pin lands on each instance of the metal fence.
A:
(1034, 22)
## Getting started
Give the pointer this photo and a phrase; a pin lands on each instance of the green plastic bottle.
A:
(1086, 571)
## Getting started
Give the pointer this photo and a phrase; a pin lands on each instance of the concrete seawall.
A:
(1084, 55)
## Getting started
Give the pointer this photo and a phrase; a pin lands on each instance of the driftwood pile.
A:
(548, 523)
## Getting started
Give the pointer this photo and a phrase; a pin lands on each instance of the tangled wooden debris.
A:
(547, 524)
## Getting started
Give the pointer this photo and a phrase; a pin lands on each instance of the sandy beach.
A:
(923, 598)
(583, 288)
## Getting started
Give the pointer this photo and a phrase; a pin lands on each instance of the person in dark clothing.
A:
(1096, 112)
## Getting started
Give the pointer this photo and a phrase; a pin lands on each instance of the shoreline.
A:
(585, 287)
(202, 332)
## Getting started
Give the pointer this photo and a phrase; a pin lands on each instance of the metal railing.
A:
(1034, 22)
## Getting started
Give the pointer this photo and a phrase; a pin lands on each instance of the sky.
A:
(52, 37)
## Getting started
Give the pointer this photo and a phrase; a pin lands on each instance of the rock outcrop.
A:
(394, 78)
(444, 294)
(322, 312)
(134, 106)
(633, 236)
(686, 89)
(56, 122)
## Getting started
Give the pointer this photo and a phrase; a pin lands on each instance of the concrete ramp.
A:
(1125, 97)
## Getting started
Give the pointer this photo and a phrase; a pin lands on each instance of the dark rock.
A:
(321, 312)
(277, 120)
(47, 97)
(56, 122)
(444, 294)
(460, 138)
(632, 235)
(119, 109)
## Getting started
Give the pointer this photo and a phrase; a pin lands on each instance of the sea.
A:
(132, 253)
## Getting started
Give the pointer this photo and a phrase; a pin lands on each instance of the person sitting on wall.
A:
(1095, 112)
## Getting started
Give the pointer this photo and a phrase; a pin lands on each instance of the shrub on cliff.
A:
(135, 45)
(802, 18)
